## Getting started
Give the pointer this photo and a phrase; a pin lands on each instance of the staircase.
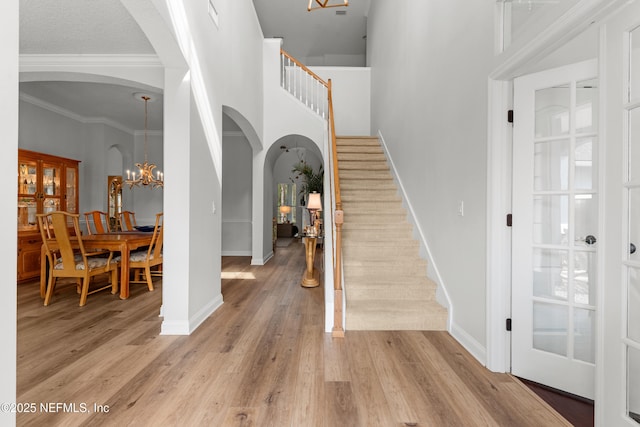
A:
(385, 282)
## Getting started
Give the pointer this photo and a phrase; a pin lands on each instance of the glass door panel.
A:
(584, 327)
(583, 163)
(550, 274)
(552, 111)
(633, 317)
(634, 64)
(634, 149)
(586, 115)
(71, 189)
(27, 209)
(51, 180)
(551, 164)
(550, 216)
(27, 178)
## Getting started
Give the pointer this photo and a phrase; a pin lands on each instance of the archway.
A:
(280, 159)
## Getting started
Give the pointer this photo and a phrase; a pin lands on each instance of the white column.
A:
(176, 269)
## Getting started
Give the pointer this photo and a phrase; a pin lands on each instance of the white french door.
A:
(620, 371)
(555, 227)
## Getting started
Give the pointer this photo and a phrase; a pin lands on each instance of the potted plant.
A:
(311, 181)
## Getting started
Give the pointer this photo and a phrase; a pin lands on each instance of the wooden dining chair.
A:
(68, 257)
(145, 260)
(100, 221)
(128, 220)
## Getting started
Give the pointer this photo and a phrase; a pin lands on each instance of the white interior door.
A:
(620, 371)
(555, 227)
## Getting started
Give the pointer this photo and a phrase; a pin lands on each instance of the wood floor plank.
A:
(341, 409)
(263, 358)
(373, 406)
(392, 381)
(336, 367)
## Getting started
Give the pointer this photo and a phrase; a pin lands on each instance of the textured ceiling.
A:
(320, 33)
(79, 27)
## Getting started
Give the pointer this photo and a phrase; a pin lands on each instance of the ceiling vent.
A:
(341, 12)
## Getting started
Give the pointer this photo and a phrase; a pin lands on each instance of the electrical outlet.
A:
(460, 208)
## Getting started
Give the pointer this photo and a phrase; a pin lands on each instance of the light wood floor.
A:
(262, 360)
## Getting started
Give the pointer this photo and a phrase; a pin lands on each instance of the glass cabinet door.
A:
(27, 178)
(27, 192)
(51, 193)
(71, 190)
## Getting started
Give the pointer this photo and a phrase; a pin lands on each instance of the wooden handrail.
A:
(308, 71)
(338, 219)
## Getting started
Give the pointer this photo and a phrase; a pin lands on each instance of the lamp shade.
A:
(314, 202)
(285, 209)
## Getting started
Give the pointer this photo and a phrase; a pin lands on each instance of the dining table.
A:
(121, 241)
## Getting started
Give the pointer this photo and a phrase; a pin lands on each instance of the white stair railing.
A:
(304, 84)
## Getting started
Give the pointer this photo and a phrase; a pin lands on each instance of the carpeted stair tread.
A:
(359, 157)
(364, 166)
(370, 194)
(369, 175)
(341, 141)
(380, 315)
(383, 290)
(364, 185)
(385, 281)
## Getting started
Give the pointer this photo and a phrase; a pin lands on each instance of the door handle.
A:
(632, 248)
(589, 240)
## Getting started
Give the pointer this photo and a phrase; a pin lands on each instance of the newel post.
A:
(338, 329)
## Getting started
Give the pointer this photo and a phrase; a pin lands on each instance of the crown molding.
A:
(65, 60)
(73, 116)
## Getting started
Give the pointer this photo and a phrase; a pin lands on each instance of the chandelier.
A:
(325, 3)
(145, 175)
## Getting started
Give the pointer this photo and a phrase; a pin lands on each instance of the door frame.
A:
(521, 58)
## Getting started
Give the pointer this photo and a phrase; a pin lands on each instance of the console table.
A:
(310, 279)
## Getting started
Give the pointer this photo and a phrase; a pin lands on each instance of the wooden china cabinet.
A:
(46, 183)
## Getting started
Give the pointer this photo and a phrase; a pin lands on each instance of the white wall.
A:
(351, 94)
(334, 60)
(236, 194)
(9, 34)
(205, 193)
(429, 66)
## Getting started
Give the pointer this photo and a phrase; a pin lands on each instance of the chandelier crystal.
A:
(145, 176)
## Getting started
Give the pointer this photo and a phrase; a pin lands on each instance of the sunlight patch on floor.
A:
(237, 275)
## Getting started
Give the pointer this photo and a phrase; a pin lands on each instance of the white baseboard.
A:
(262, 261)
(236, 253)
(186, 327)
(470, 344)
